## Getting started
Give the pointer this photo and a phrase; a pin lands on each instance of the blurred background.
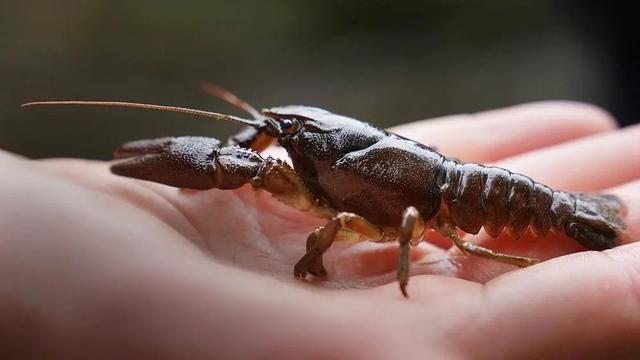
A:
(380, 61)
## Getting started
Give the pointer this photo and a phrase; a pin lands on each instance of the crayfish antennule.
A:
(231, 98)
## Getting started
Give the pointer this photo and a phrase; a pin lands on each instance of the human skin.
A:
(95, 264)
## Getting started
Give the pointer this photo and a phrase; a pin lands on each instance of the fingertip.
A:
(593, 116)
(629, 194)
(588, 164)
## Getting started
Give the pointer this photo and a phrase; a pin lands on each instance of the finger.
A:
(492, 135)
(588, 164)
(587, 302)
(630, 196)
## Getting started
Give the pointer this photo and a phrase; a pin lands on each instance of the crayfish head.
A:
(312, 132)
(316, 139)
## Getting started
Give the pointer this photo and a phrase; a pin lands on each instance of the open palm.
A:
(91, 262)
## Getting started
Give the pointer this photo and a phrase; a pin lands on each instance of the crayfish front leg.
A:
(278, 178)
(348, 227)
(201, 163)
(344, 227)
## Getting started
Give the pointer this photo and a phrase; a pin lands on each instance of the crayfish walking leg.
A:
(348, 227)
(344, 227)
(411, 231)
(469, 248)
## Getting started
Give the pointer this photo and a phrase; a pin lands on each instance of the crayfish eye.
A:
(290, 126)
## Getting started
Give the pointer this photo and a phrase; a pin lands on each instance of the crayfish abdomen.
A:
(476, 196)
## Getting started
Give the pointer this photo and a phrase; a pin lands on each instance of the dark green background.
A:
(384, 62)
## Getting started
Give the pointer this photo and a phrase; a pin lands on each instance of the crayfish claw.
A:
(183, 162)
(187, 162)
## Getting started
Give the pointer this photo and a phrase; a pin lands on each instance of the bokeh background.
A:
(386, 62)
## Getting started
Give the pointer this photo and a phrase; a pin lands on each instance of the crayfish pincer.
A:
(368, 183)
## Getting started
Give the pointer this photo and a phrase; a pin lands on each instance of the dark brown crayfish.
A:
(369, 183)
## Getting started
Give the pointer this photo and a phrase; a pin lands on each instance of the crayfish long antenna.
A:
(201, 113)
(231, 98)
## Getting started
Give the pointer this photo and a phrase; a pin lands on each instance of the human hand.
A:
(94, 263)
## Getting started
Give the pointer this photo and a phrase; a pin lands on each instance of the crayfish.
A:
(370, 184)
